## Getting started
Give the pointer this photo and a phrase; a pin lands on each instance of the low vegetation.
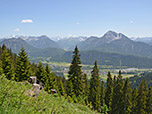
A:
(14, 100)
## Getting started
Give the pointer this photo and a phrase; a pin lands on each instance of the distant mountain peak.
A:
(111, 36)
(110, 33)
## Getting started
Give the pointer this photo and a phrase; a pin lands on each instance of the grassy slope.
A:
(13, 100)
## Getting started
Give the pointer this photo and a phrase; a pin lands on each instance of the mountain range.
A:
(41, 42)
(147, 40)
(16, 44)
(108, 49)
(71, 42)
(116, 43)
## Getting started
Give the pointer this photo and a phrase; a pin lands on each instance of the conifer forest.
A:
(113, 96)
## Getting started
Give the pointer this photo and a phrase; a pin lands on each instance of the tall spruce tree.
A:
(127, 101)
(114, 81)
(86, 85)
(41, 73)
(141, 98)
(102, 101)
(94, 96)
(109, 91)
(69, 88)
(61, 89)
(1, 69)
(134, 100)
(7, 64)
(117, 99)
(33, 68)
(23, 66)
(149, 101)
(86, 89)
(51, 80)
(75, 74)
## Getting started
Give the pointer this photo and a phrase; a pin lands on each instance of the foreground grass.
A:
(13, 100)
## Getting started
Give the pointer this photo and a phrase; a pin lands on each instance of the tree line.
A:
(115, 96)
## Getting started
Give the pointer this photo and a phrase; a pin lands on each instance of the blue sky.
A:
(75, 17)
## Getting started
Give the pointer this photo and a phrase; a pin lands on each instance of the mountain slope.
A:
(2, 39)
(14, 100)
(41, 42)
(46, 52)
(71, 42)
(16, 44)
(117, 43)
(88, 57)
(136, 80)
(147, 40)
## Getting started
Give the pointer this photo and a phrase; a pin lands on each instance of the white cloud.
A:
(131, 22)
(77, 23)
(27, 21)
(16, 30)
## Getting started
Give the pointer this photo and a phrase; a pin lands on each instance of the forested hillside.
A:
(136, 80)
(104, 58)
(115, 96)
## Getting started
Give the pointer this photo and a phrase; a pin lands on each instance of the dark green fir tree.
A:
(69, 88)
(41, 74)
(1, 69)
(127, 98)
(102, 101)
(7, 64)
(51, 80)
(33, 68)
(61, 89)
(94, 96)
(109, 91)
(86, 89)
(134, 100)
(117, 99)
(23, 66)
(149, 101)
(141, 98)
(76, 75)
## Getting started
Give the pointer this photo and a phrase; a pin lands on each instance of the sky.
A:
(63, 18)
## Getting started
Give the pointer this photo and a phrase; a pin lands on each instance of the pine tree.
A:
(69, 88)
(7, 64)
(141, 98)
(51, 80)
(109, 91)
(61, 89)
(117, 99)
(94, 96)
(127, 104)
(149, 101)
(1, 69)
(75, 74)
(33, 68)
(134, 100)
(23, 66)
(102, 101)
(114, 81)
(86, 89)
(41, 73)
